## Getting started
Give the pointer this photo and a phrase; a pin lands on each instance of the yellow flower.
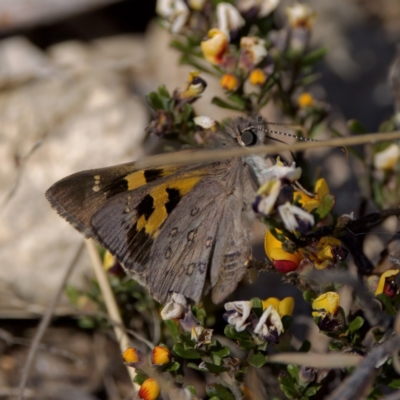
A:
(387, 159)
(305, 100)
(131, 356)
(160, 355)
(325, 305)
(283, 261)
(321, 189)
(284, 306)
(300, 16)
(229, 82)
(387, 283)
(214, 46)
(194, 86)
(149, 390)
(325, 252)
(257, 77)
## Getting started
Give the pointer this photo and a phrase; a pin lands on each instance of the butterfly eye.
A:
(249, 138)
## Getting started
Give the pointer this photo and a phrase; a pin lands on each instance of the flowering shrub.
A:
(305, 242)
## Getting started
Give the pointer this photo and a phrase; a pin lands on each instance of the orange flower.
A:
(282, 260)
(160, 356)
(149, 390)
(214, 46)
(131, 356)
(257, 77)
(229, 82)
(305, 100)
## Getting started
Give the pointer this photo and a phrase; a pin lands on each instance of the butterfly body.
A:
(180, 228)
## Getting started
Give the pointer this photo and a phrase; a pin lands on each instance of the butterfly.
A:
(176, 228)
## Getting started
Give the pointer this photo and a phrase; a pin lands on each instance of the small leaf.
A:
(312, 391)
(216, 369)
(287, 321)
(395, 384)
(237, 99)
(293, 372)
(335, 346)
(290, 393)
(140, 377)
(171, 367)
(325, 206)
(223, 104)
(162, 90)
(200, 313)
(173, 329)
(356, 126)
(189, 354)
(314, 56)
(223, 352)
(155, 101)
(219, 391)
(191, 389)
(356, 324)
(308, 296)
(258, 360)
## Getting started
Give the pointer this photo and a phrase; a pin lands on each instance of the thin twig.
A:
(193, 157)
(358, 384)
(45, 322)
(111, 304)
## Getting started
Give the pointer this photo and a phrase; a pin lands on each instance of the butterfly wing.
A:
(168, 227)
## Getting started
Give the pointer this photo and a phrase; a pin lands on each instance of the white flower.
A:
(269, 327)
(201, 335)
(267, 196)
(387, 159)
(265, 7)
(254, 46)
(282, 171)
(300, 15)
(204, 122)
(175, 308)
(229, 18)
(294, 217)
(176, 12)
(237, 314)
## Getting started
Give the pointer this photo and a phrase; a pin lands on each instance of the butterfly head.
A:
(247, 132)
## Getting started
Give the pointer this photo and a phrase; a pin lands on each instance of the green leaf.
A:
(231, 333)
(287, 321)
(191, 389)
(257, 306)
(290, 392)
(162, 90)
(258, 360)
(335, 346)
(356, 126)
(395, 384)
(173, 329)
(187, 353)
(308, 296)
(155, 101)
(223, 352)
(197, 367)
(325, 206)
(238, 99)
(216, 369)
(293, 372)
(140, 377)
(223, 104)
(314, 56)
(312, 391)
(219, 391)
(171, 367)
(200, 314)
(356, 324)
